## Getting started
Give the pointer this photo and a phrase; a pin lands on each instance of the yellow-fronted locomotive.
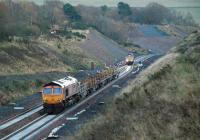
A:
(60, 93)
(129, 59)
(56, 93)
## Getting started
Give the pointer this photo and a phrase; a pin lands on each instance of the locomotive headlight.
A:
(58, 100)
(45, 100)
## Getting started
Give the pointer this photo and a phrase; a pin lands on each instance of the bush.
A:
(162, 72)
(79, 35)
(32, 30)
(39, 83)
(78, 25)
(67, 34)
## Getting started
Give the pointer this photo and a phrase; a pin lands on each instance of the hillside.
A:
(56, 53)
(102, 48)
(39, 60)
(152, 38)
(41, 56)
(161, 103)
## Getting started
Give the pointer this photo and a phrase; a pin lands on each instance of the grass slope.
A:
(18, 86)
(24, 62)
(41, 55)
(162, 103)
(102, 48)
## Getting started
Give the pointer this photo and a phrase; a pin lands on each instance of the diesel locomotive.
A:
(58, 94)
(129, 59)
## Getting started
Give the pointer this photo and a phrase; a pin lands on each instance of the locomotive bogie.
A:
(53, 108)
(129, 63)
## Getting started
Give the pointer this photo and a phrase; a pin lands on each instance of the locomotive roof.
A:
(65, 81)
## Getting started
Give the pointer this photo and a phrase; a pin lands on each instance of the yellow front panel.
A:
(52, 99)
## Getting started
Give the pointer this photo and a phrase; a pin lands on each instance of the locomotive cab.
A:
(52, 97)
(129, 59)
(52, 94)
(57, 94)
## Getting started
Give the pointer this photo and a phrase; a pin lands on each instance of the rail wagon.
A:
(99, 79)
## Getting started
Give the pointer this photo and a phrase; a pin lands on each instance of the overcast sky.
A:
(135, 3)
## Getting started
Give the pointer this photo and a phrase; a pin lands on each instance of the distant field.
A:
(153, 39)
(195, 11)
(151, 31)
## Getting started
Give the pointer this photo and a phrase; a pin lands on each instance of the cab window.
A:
(57, 91)
(47, 91)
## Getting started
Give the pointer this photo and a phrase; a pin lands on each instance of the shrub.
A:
(67, 34)
(162, 72)
(78, 25)
(39, 82)
(79, 35)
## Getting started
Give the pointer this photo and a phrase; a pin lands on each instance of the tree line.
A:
(28, 19)
(153, 13)
(115, 22)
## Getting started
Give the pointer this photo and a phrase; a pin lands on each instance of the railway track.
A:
(42, 122)
(19, 121)
(6, 123)
(14, 115)
(37, 124)
(26, 128)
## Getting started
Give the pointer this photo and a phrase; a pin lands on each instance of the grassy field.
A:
(163, 102)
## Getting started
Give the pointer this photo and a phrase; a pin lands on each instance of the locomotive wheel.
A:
(78, 98)
(59, 108)
(48, 110)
